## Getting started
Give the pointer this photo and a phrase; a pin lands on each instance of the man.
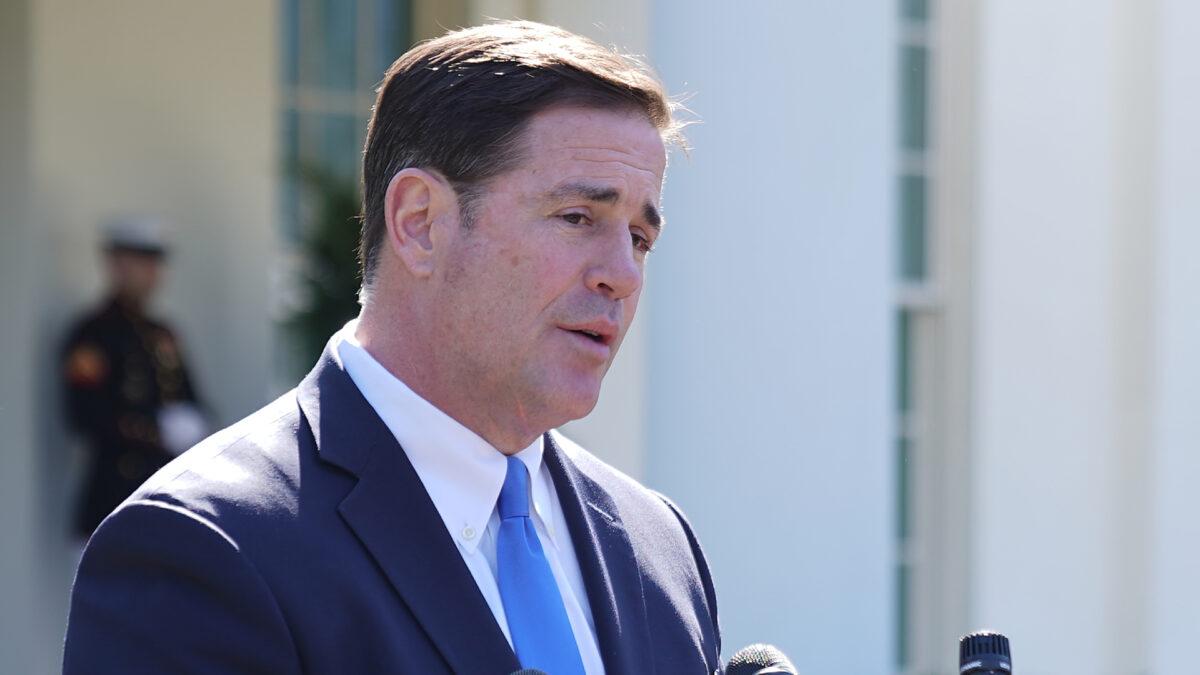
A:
(408, 508)
(128, 392)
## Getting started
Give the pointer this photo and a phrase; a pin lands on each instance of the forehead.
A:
(568, 143)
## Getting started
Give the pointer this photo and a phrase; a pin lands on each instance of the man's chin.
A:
(569, 406)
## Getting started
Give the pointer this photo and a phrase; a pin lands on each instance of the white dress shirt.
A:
(463, 475)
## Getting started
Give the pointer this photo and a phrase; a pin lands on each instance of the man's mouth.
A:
(599, 332)
(594, 336)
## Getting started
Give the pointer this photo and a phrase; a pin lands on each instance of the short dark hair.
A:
(459, 104)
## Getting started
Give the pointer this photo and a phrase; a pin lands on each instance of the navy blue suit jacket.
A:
(302, 540)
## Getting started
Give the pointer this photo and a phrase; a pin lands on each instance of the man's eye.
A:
(641, 243)
(575, 218)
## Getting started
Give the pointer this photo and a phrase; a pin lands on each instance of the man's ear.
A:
(414, 203)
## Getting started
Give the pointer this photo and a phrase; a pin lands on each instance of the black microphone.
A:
(759, 659)
(529, 671)
(984, 653)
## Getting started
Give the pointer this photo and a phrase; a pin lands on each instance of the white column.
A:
(1043, 427)
(770, 356)
(1174, 626)
(1063, 332)
(19, 638)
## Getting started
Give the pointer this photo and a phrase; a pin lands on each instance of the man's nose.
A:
(616, 271)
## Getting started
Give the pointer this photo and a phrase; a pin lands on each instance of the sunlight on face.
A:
(537, 295)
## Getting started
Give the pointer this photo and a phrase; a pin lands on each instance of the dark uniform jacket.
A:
(119, 369)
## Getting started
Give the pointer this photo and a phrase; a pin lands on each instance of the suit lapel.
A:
(610, 569)
(392, 514)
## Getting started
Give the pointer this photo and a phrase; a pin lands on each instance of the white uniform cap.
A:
(140, 234)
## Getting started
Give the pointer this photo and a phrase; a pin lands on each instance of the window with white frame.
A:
(916, 309)
(334, 54)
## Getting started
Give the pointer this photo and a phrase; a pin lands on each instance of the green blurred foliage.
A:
(329, 277)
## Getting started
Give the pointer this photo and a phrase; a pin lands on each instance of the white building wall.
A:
(19, 619)
(1044, 456)
(1064, 326)
(131, 105)
(1174, 617)
(770, 352)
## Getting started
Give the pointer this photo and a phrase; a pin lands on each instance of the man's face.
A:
(134, 276)
(537, 293)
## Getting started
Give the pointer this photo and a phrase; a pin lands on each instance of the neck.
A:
(395, 341)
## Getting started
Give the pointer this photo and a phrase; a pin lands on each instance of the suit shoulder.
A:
(630, 495)
(596, 468)
(667, 547)
(157, 586)
(249, 468)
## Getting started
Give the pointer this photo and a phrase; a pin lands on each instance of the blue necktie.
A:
(537, 620)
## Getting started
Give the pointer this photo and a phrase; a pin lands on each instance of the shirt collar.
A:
(461, 471)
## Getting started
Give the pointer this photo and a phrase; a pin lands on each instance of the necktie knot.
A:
(514, 495)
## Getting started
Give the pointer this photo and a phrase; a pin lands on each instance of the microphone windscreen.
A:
(984, 652)
(759, 659)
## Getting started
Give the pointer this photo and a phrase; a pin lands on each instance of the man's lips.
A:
(600, 332)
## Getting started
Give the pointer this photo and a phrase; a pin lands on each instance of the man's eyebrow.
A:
(604, 195)
(651, 215)
(592, 193)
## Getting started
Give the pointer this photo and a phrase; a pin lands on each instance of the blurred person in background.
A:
(128, 390)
